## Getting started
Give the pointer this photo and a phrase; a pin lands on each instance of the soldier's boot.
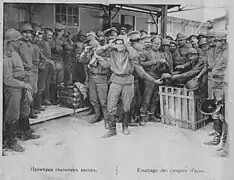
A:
(112, 128)
(223, 140)
(215, 141)
(36, 111)
(32, 114)
(127, 118)
(105, 117)
(215, 123)
(11, 140)
(28, 135)
(224, 151)
(24, 126)
(38, 102)
(153, 118)
(143, 120)
(97, 117)
(47, 102)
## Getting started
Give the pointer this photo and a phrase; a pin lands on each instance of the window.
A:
(67, 15)
(128, 20)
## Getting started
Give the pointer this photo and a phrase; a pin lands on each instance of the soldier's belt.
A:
(98, 74)
(123, 75)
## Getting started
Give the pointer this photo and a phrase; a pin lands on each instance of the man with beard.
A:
(98, 80)
(152, 62)
(15, 87)
(26, 53)
(45, 47)
(122, 63)
(78, 70)
(219, 91)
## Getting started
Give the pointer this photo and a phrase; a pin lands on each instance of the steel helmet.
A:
(26, 27)
(12, 35)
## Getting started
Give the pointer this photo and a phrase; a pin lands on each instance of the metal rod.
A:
(116, 12)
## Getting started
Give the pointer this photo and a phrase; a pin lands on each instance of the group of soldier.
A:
(122, 69)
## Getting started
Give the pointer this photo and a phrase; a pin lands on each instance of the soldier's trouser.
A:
(15, 106)
(150, 98)
(67, 69)
(116, 91)
(98, 90)
(78, 72)
(34, 87)
(40, 88)
(137, 99)
(48, 79)
(58, 77)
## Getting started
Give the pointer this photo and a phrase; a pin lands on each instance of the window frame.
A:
(67, 14)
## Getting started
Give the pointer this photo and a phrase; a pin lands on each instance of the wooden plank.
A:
(53, 112)
(161, 104)
(175, 95)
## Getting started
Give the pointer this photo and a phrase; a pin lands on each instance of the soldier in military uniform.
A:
(16, 105)
(151, 61)
(39, 61)
(219, 90)
(78, 71)
(57, 52)
(45, 47)
(67, 57)
(180, 55)
(194, 41)
(122, 63)
(166, 49)
(26, 53)
(98, 80)
(197, 70)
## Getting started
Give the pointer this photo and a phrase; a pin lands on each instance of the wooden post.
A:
(164, 21)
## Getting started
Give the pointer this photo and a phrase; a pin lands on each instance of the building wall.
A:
(12, 16)
(219, 25)
(45, 15)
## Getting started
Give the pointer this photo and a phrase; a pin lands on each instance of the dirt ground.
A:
(71, 142)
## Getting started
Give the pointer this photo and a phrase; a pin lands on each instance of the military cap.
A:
(26, 27)
(210, 33)
(59, 26)
(202, 41)
(12, 35)
(173, 42)
(93, 42)
(100, 33)
(143, 30)
(81, 33)
(169, 37)
(180, 36)
(134, 35)
(191, 36)
(38, 30)
(166, 42)
(118, 38)
(155, 37)
(123, 29)
(144, 37)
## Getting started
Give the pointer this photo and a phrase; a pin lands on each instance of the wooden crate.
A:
(178, 107)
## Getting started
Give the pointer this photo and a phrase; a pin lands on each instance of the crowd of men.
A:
(122, 69)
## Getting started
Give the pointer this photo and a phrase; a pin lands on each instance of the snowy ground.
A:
(71, 142)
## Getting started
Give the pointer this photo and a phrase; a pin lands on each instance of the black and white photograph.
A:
(115, 91)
